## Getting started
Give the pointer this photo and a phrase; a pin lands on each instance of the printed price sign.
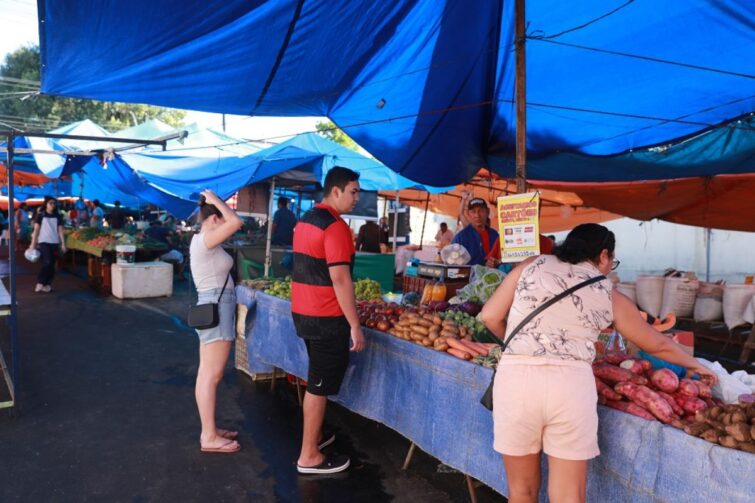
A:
(519, 226)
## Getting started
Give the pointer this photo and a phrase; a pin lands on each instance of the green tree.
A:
(22, 108)
(336, 134)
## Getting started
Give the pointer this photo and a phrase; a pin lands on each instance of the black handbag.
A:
(205, 316)
(487, 398)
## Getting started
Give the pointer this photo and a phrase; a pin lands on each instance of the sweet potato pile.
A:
(631, 385)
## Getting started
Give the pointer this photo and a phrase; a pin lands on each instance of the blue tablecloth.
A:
(433, 399)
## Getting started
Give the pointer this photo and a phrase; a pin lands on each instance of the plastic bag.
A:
(455, 254)
(728, 388)
(482, 283)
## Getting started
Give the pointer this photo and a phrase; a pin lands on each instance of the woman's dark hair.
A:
(207, 210)
(338, 177)
(585, 242)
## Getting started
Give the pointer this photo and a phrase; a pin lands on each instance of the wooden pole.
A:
(395, 224)
(424, 221)
(12, 319)
(521, 98)
(269, 240)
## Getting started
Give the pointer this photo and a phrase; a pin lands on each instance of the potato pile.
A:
(429, 330)
(727, 425)
(432, 331)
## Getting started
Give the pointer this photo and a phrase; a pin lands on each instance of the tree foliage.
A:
(336, 134)
(38, 112)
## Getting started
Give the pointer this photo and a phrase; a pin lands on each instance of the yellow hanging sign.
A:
(519, 226)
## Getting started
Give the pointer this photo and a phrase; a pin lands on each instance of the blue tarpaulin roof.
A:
(427, 86)
(180, 176)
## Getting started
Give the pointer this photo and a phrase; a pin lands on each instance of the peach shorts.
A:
(548, 405)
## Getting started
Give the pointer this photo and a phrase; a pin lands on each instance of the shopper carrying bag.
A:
(544, 390)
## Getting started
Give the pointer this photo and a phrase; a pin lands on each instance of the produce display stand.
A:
(433, 400)
(99, 261)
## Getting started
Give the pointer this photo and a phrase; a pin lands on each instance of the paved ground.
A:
(106, 413)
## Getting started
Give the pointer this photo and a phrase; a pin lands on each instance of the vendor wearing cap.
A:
(478, 237)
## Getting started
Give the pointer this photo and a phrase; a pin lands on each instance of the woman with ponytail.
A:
(210, 270)
(544, 395)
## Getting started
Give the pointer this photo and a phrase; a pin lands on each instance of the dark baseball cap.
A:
(476, 201)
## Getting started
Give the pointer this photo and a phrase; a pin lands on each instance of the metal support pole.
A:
(12, 319)
(268, 244)
(395, 224)
(708, 233)
(521, 98)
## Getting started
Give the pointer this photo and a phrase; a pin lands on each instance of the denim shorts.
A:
(226, 329)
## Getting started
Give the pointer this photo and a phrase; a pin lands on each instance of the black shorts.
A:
(328, 359)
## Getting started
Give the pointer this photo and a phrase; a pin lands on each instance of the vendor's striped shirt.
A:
(321, 240)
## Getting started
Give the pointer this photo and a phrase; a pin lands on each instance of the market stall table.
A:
(99, 260)
(433, 400)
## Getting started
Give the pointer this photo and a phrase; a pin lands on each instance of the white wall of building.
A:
(651, 247)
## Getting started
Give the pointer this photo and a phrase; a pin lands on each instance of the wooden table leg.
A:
(409, 456)
(298, 391)
(471, 489)
(273, 379)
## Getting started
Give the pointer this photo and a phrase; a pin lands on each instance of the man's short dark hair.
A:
(117, 204)
(443, 225)
(338, 177)
(283, 201)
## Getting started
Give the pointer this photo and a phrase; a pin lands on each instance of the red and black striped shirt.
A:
(321, 240)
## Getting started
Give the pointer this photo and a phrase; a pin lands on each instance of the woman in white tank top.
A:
(544, 394)
(210, 269)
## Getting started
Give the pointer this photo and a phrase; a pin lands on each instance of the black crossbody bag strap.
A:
(487, 398)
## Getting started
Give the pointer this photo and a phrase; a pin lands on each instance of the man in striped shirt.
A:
(324, 310)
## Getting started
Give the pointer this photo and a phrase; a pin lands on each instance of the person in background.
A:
(48, 237)
(82, 212)
(478, 237)
(544, 394)
(384, 234)
(324, 311)
(117, 218)
(98, 215)
(159, 232)
(368, 238)
(23, 224)
(444, 236)
(73, 216)
(284, 221)
(211, 270)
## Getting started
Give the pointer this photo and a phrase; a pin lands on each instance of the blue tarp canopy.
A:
(174, 179)
(427, 86)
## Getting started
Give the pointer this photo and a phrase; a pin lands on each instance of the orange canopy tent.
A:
(22, 177)
(721, 202)
(560, 210)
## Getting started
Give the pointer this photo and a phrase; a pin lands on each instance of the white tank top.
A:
(568, 329)
(209, 266)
